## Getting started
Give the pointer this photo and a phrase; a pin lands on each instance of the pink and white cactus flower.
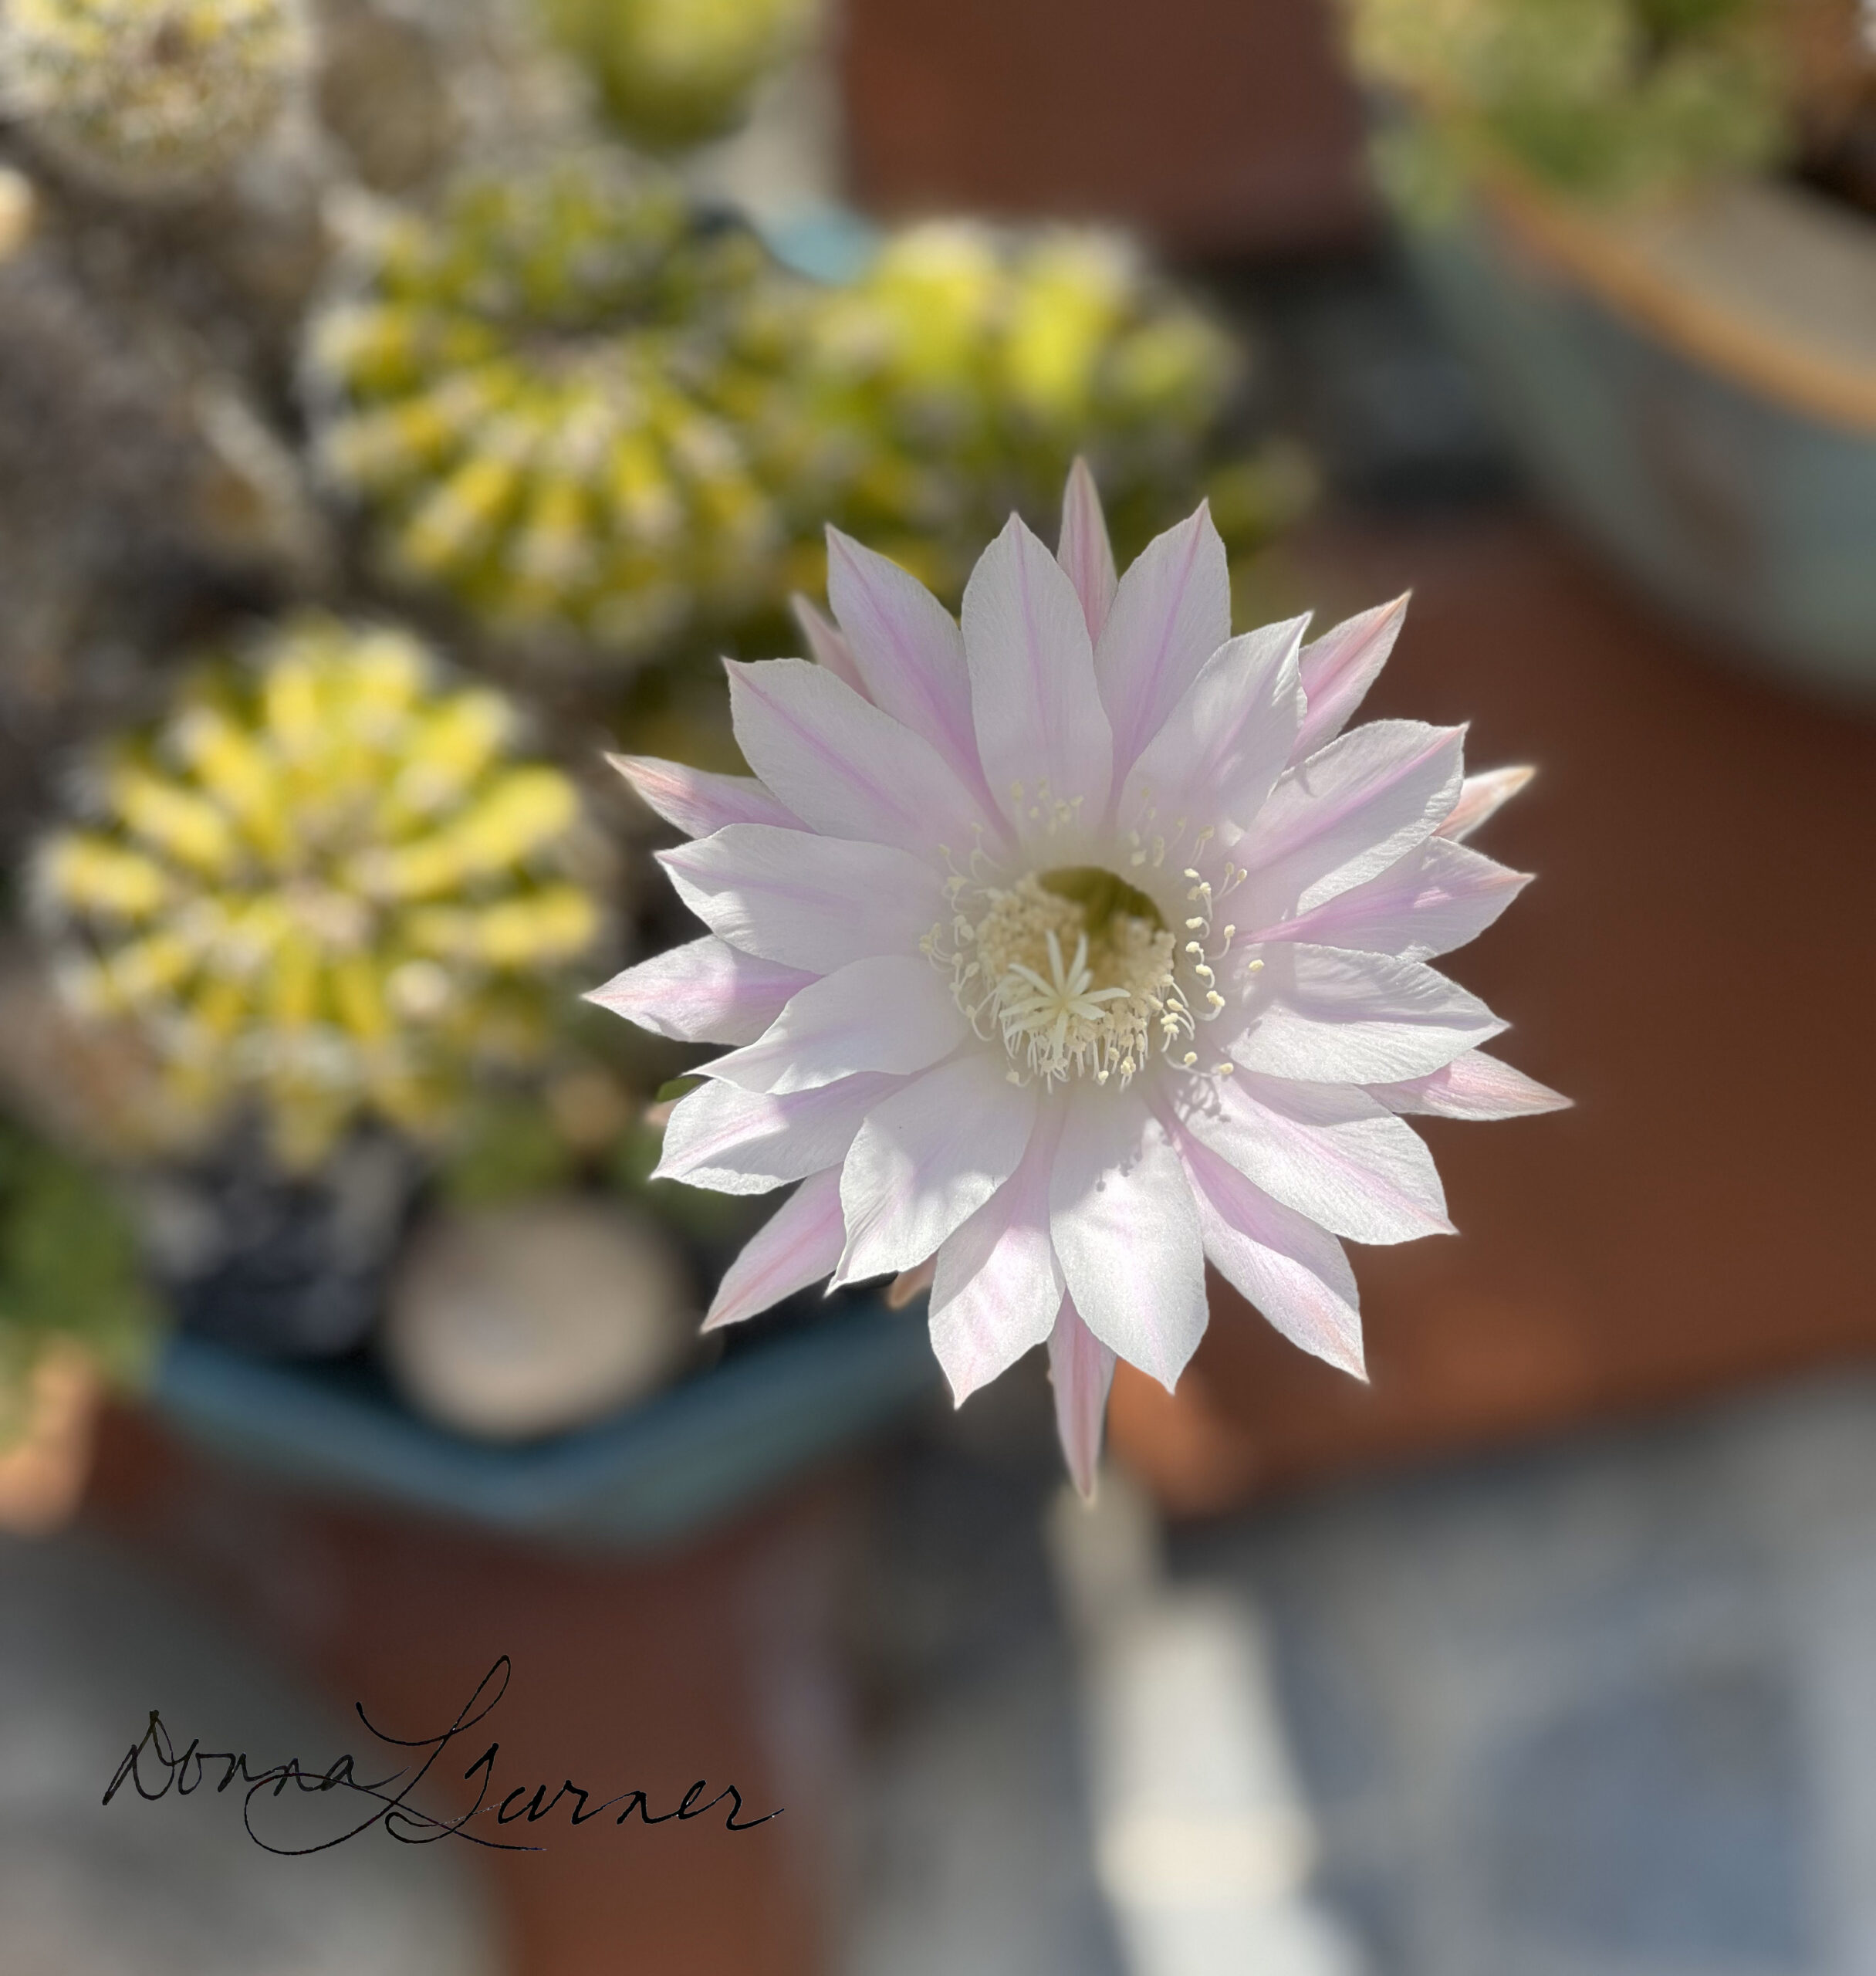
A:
(1067, 948)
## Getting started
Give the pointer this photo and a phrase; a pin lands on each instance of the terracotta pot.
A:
(720, 1660)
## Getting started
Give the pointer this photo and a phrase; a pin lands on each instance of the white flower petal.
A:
(1339, 669)
(827, 644)
(908, 648)
(1081, 1370)
(889, 1012)
(1329, 1016)
(1329, 1150)
(1126, 1231)
(798, 1244)
(1481, 798)
(1229, 738)
(1345, 814)
(705, 991)
(1292, 1270)
(928, 1157)
(811, 903)
(699, 801)
(1473, 1086)
(1171, 612)
(845, 768)
(747, 1142)
(1033, 702)
(1085, 552)
(997, 1286)
(1437, 897)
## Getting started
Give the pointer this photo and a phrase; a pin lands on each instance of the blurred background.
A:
(403, 402)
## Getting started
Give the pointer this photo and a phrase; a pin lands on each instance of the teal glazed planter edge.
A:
(672, 1467)
(1755, 520)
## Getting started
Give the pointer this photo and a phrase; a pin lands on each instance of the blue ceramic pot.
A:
(1694, 387)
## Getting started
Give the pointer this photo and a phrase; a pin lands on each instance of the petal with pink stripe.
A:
(845, 768)
(909, 649)
(827, 644)
(747, 1142)
(809, 902)
(889, 1012)
(1086, 553)
(1345, 814)
(1329, 1150)
(1291, 1270)
(706, 991)
(1038, 718)
(798, 1244)
(927, 1160)
(1339, 669)
(1081, 1370)
(1473, 1086)
(697, 800)
(997, 1285)
(1327, 1015)
(1126, 1231)
(1481, 798)
(1435, 898)
(1171, 612)
(1224, 745)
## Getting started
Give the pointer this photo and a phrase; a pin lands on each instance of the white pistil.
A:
(1065, 1001)
(1070, 995)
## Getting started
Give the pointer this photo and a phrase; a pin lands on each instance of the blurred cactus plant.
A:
(957, 379)
(151, 96)
(538, 396)
(1604, 98)
(68, 1275)
(673, 72)
(585, 408)
(323, 882)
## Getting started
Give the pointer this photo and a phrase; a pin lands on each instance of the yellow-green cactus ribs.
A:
(324, 881)
(537, 396)
(967, 366)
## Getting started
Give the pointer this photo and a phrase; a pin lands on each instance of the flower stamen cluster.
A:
(1093, 1009)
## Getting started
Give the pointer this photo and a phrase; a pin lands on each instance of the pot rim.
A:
(1652, 264)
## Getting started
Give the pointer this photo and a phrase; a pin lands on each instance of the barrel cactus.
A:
(968, 366)
(151, 95)
(323, 884)
(1602, 98)
(673, 72)
(542, 398)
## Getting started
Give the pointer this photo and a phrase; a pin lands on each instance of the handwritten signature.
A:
(399, 1817)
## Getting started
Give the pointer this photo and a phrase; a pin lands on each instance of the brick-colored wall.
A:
(1219, 127)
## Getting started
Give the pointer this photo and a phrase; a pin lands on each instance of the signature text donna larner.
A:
(154, 1768)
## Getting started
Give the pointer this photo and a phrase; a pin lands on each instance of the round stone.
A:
(516, 1321)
